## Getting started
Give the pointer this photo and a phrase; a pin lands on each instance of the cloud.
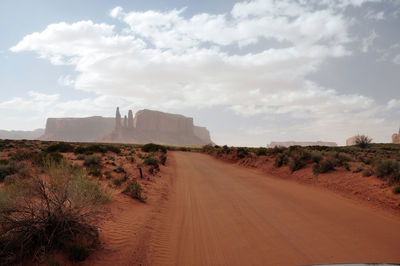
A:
(375, 15)
(66, 81)
(168, 61)
(368, 41)
(396, 59)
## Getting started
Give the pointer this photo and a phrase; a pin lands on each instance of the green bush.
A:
(151, 147)
(97, 148)
(281, 159)
(42, 158)
(134, 190)
(62, 208)
(92, 160)
(261, 151)
(10, 169)
(396, 189)
(163, 159)
(242, 152)
(316, 156)
(60, 147)
(325, 165)
(295, 163)
(388, 168)
(151, 161)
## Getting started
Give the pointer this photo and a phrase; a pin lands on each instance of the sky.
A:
(252, 72)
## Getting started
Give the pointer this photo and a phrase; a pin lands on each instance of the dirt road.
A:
(221, 214)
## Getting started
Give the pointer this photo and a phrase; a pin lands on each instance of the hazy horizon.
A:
(252, 72)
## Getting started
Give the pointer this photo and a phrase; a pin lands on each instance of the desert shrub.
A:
(325, 165)
(60, 147)
(261, 151)
(42, 158)
(346, 166)
(358, 169)
(97, 148)
(81, 157)
(151, 147)
(11, 168)
(316, 156)
(78, 253)
(367, 172)
(120, 169)
(295, 163)
(131, 159)
(38, 216)
(363, 141)
(396, 189)
(242, 152)
(388, 168)
(108, 175)
(94, 171)
(281, 159)
(21, 155)
(4, 162)
(207, 148)
(150, 161)
(134, 190)
(163, 159)
(92, 160)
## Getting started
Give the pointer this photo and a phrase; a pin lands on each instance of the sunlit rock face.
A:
(158, 127)
(85, 129)
(396, 138)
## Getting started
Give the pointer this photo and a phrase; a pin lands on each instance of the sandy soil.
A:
(372, 191)
(223, 214)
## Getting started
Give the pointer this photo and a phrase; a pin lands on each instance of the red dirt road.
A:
(221, 214)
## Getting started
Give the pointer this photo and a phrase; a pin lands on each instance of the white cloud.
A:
(375, 15)
(368, 41)
(166, 60)
(396, 59)
(66, 80)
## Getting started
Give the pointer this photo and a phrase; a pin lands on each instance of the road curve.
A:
(222, 214)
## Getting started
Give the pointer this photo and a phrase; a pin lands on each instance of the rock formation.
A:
(147, 126)
(19, 134)
(396, 138)
(130, 119)
(299, 143)
(158, 127)
(351, 141)
(86, 129)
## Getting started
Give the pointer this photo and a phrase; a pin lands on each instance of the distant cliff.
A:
(147, 126)
(19, 134)
(158, 127)
(301, 143)
(86, 129)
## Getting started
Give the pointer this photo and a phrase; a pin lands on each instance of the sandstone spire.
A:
(118, 119)
(125, 122)
(130, 119)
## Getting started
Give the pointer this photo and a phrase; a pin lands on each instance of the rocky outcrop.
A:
(19, 134)
(351, 141)
(396, 138)
(202, 133)
(158, 127)
(86, 129)
(299, 143)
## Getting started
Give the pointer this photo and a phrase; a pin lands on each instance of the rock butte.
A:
(396, 138)
(147, 126)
